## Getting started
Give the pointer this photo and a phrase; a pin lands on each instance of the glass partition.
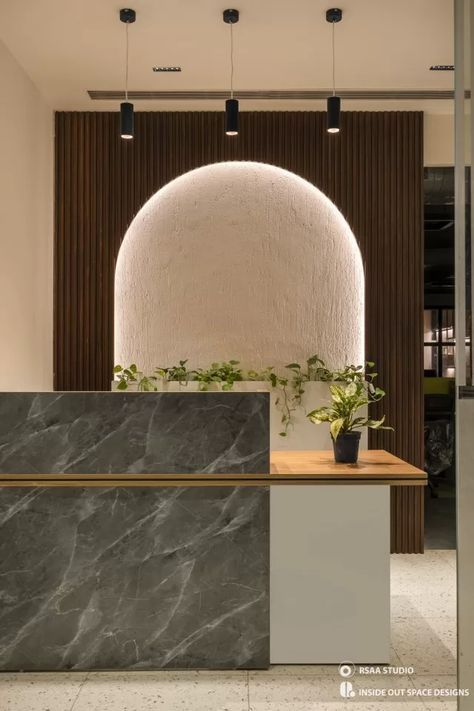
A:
(464, 295)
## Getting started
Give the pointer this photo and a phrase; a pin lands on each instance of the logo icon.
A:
(346, 669)
(347, 690)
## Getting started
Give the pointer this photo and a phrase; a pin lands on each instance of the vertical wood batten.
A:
(372, 170)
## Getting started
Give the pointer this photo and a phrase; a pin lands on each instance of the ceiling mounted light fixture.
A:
(127, 16)
(231, 17)
(334, 15)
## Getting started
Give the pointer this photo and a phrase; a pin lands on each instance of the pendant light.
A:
(334, 102)
(231, 17)
(127, 16)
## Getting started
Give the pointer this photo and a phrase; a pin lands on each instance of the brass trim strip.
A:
(182, 482)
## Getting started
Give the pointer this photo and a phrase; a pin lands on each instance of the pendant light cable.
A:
(126, 61)
(231, 61)
(333, 60)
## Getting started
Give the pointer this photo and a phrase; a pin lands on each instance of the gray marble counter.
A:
(131, 578)
(118, 433)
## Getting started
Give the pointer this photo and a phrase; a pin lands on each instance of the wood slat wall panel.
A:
(373, 171)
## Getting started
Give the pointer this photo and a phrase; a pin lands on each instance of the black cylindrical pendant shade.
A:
(232, 117)
(126, 120)
(334, 114)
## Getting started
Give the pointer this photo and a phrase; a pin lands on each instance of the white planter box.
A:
(302, 434)
(172, 386)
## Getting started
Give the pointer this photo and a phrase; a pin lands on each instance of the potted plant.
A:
(349, 398)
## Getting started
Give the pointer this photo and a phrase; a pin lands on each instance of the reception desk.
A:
(152, 530)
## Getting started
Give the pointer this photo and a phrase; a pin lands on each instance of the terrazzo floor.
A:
(423, 637)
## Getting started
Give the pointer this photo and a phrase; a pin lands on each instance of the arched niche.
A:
(239, 260)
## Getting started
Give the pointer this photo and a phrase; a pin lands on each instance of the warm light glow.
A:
(231, 133)
(126, 135)
(228, 229)
(333, 130)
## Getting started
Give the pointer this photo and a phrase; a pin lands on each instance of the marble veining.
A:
(116, 433)
(134, 578)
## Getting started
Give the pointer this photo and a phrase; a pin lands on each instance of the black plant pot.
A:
(346, 447)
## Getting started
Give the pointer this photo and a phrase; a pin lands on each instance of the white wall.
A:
(438, 140)
(239, 260)
(26, 231)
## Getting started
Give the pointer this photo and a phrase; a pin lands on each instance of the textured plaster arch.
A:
(239, 260)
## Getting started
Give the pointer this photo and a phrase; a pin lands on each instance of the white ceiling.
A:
(69, 47)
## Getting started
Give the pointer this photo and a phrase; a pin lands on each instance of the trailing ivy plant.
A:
(349, 374)
(176, 373)
(292, 387)
(301, 375)
(284, 402)
(259, 375)
(290, 384)
(227, 373)
(125, 376)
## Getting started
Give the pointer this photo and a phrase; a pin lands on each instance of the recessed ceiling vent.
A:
(167, 69)
(390, 94)
(442, 68)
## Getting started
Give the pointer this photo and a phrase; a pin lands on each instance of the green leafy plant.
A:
(125, 376)
(288, 400)
(227, 373)
(176, 373)
(301, 375)
(348, 374)
(292, 388)
(290, 384)
(356, 391)
(260, 375)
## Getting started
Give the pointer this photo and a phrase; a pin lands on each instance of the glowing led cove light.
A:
(224, 249)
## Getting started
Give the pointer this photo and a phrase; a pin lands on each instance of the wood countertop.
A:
(375, 466)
